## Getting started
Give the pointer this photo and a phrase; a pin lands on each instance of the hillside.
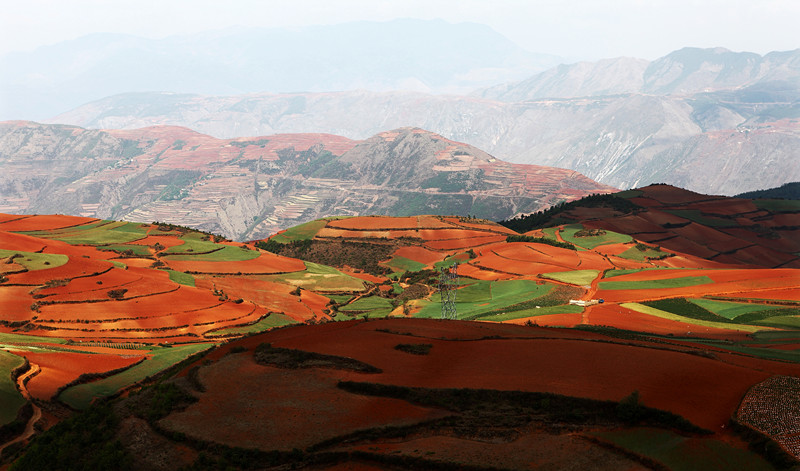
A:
(597, 119)
(789, 191)
(99, 307)
(731, 230)
(251, 187)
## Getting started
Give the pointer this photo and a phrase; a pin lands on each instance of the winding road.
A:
(37, 412)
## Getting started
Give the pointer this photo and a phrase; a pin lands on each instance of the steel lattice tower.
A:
(448, 283)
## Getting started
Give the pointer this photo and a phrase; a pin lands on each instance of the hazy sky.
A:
(575, 29)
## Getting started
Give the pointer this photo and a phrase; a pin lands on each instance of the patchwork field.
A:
(101, 308)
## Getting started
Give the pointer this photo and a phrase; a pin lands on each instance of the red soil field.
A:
(10, 241)
(43, 222)
(184, 299)
(76, 266)
(493, 227)
(362, 276)
(617, 316)
(457, 244)
(271, 397)
(99, 285)
(419, 254)
(166, 241)
(377, 223)
(708, 391)
(58, 369)
(266, 263)
(15, 303)
(275, 297)
(727, 207)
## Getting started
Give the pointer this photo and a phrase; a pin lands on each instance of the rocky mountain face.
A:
(248, 188)
(698, 119)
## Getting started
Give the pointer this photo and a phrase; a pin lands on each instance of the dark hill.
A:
(789, 191)
(719, 228)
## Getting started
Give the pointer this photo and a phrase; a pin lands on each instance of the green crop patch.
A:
(181, 277)
(10, 399)
(697, 216)
(367, 304)
(531, 312)
(778, 205)
(489, 297)
(274, 319)
(641, 252)
(402, 264)
(785, 322)
(628, 271)
(108, 233)
(572, 233)
(681, 282)
(304, 231)
(195, 248)
(732, 310)
(128, 249)
(685, 308)
(688, 320)
(319, 278)
(680, 453)
(35, 261)
(575, 277)
(81, 395)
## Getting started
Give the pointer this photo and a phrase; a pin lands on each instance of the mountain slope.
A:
(248, 188)
(623, 140)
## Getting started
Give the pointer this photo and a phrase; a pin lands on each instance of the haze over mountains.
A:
(405, 54)
(701, 119)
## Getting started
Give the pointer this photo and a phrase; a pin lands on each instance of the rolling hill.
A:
(369, 376)
(251, 187)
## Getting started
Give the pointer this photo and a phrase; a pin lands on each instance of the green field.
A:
(486, 296)
(610, 237)
(681, 282)
(319, 278)
(784, 322)
(575, 277)
(304, 231)
(141, 250)
(778, 205)
(81, 395)
(634, 253)
(543, 311)
(181, 277)
(402, 264)
(732, 310)
(21, 339)
(680, 453)
(35, 261)
(10, 399)
(100, 233)
(613, 273)
(675, 317)
(194, 248)
(275, 319)
(695, 215)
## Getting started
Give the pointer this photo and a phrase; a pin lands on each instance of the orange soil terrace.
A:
(58, 369)
(708, 390)
(265, 263)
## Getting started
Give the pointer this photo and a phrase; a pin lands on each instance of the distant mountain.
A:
(707, 142)
(410, 54)
(728, 230)
(251, 187)
(789, 191)
(686, 71)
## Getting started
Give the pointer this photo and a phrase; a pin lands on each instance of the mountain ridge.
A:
(247, 188)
